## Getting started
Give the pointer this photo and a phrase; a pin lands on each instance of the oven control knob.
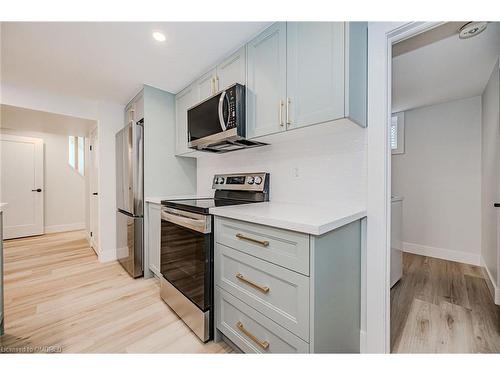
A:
(250, 180)
(258, 180)
(220, 180)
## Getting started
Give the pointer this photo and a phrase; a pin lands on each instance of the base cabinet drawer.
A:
(282, 247)
(278, 293)
(251, 331)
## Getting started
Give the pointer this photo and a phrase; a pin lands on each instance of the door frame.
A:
(93, 184)
(39, 177)
(381, 37)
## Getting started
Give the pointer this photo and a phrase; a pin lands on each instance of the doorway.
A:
(440, 301)
(94, 194)
(22, 187)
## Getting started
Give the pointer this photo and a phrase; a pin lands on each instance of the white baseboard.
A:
(447, 254)
(64, 227)
(491, 282)
(108, 255)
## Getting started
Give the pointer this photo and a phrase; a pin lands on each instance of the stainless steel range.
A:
(187, 247)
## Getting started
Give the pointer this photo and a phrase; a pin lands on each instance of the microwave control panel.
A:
(234, 106)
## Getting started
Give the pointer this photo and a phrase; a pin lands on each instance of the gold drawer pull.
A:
(262, 344)
(263, 289)
(242, 237)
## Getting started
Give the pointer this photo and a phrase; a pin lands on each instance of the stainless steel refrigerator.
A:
(130, 197)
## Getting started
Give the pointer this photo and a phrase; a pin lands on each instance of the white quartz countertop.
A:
(158, 200)
(315, 220)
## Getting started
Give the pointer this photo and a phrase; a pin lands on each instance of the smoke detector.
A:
(472, 29)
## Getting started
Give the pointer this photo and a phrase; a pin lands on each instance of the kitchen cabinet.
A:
(184, 100)
(134, 110)
(153, 236)
(296, 74)
(315, 72)
(205, 86)
(281, 291)
(232, 70)
(266, 81)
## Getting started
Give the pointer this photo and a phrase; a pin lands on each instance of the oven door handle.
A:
(202, 224)
(223, 124)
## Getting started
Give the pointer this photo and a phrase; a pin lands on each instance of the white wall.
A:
(64, 188)
(312, 165)
(439, 176)
(110, 120)
(491, 175)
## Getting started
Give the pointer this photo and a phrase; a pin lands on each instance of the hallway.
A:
(58, 297)
(441, 306)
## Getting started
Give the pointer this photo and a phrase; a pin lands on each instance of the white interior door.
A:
(94, 198)
(22, 185)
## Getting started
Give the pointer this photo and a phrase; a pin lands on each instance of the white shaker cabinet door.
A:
(232, 70)
(315, 72)
(206, 85)
(266, 81)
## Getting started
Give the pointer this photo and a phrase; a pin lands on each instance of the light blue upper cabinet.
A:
(266, 81)
(315, 73)
(232, 70)
(356, 72)
(206, 85)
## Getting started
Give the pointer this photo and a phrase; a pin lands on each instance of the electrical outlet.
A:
(296, 172)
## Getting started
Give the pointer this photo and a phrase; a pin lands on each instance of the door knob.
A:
(94, 193)
(37, 190)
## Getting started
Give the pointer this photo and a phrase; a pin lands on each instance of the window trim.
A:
(75, 156)
(400, 133)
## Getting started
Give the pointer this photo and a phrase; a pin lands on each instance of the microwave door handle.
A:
(221, 115)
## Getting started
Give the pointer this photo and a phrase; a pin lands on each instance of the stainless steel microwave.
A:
(218, 124)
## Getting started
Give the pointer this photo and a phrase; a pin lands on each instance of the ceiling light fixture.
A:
(159, 36)
(472, 29)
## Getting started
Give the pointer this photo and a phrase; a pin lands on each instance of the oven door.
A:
(187, 255)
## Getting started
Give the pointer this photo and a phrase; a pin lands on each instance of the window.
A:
(76, 154)
(397, 133)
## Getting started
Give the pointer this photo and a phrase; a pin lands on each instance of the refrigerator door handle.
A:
(138, 171)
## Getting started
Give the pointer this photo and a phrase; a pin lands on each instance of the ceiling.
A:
(111, 60)
(445, 70)
(44, 122)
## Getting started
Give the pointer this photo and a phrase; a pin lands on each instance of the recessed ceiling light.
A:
(159, 36)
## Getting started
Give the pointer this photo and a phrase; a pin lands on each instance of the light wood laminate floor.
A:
(443, 307)
(58, 295)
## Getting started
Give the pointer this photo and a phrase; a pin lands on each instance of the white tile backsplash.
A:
(315, 165)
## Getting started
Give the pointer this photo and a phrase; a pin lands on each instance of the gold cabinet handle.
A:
(288, 121)
(243, 237)
(281, 113)
(263, 344)
(263, 289)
